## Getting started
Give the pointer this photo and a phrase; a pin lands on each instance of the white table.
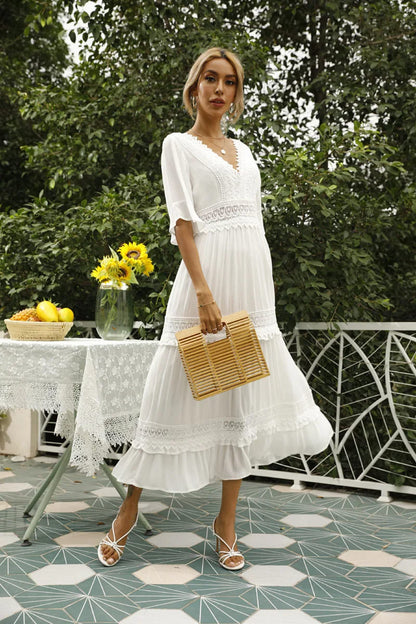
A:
(100, 381)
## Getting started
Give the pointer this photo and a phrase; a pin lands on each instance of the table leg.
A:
(44, 493)
(120, 489)
(45, 484)
(47, 491)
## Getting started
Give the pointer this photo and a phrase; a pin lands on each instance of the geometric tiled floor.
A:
(312, 557)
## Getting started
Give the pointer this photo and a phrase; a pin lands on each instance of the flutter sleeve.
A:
(177, 185)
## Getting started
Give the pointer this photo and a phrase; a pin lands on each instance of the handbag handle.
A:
(231, 323)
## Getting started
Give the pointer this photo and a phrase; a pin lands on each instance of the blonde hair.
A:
(196, 70)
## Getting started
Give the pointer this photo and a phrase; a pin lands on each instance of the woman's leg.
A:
(225, 522)
(124, 521)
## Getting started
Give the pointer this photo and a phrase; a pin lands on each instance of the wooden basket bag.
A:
(228, 363)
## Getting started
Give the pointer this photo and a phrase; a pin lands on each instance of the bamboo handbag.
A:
(224, 364)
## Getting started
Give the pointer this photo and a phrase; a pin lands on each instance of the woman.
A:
(212, 188)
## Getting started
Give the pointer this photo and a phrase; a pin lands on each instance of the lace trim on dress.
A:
(264, 322)
(224, 216)
(229, 224)
(175, 439)
(222, 210)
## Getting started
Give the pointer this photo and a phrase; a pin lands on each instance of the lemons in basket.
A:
(47, 311)
(66, 315)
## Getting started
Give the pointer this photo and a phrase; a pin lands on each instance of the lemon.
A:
(66, 315)
(47, 311)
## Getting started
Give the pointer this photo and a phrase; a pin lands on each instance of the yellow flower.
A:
(124, 272)
(112, 269)
(147, 266)
(104, 270)
(110, 266)
(133, 253)
(134, 260)
(97, 273)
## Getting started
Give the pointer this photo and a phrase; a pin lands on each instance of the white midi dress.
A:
(182, 444)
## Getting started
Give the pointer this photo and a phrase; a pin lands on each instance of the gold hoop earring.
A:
(193, 102)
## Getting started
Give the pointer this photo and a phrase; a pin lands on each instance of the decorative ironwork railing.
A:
(363, 376)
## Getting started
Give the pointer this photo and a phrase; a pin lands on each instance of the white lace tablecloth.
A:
(101, 380)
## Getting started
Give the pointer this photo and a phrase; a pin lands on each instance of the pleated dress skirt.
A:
(182, 444)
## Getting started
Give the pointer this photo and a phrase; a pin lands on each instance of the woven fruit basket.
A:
(35, 330)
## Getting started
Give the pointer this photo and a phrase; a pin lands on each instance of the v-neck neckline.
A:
(237, 155)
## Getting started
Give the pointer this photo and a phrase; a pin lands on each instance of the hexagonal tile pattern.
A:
(15, 487)
(45, 459)
(393, 618)
(266, 540)
(174, 576)
(166, 574)
(286, 616)
(282, 488)
(273, 575)
(175, 540)
(8, 606)
(306, 520)
(66, 507)
(156, 616)
(328, 493)
(408, 566)
(65, 574)
(5, 474)
(369, 558)
(80, 539)
(106, 492)
(404, 504)
(8, 538)
(152, 507)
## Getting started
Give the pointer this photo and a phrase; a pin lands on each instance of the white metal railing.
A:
(363, 376)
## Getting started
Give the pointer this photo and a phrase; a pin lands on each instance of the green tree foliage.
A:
(32, 52)
(112, 114)
(323, 216)
(48, 253)
(350, 61)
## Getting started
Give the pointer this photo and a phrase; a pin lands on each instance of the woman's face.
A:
(216, 89)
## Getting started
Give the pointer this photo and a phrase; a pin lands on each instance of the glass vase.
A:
(114, 315)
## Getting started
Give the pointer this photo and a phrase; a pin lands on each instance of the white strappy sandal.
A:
(114, 544)
(224, 555)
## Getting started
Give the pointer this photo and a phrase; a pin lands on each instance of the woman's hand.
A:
(210, 317)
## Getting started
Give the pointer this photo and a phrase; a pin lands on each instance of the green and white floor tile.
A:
(313, 557)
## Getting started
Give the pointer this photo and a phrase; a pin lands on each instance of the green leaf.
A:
(114, 253)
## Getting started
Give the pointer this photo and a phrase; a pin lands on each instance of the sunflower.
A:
(106, 270)
(133, 253)
(134, 260)
(125, 272)
(110, 266)
(147, 266)
(97, 273)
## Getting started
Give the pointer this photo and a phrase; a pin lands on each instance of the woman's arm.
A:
(209, 315)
